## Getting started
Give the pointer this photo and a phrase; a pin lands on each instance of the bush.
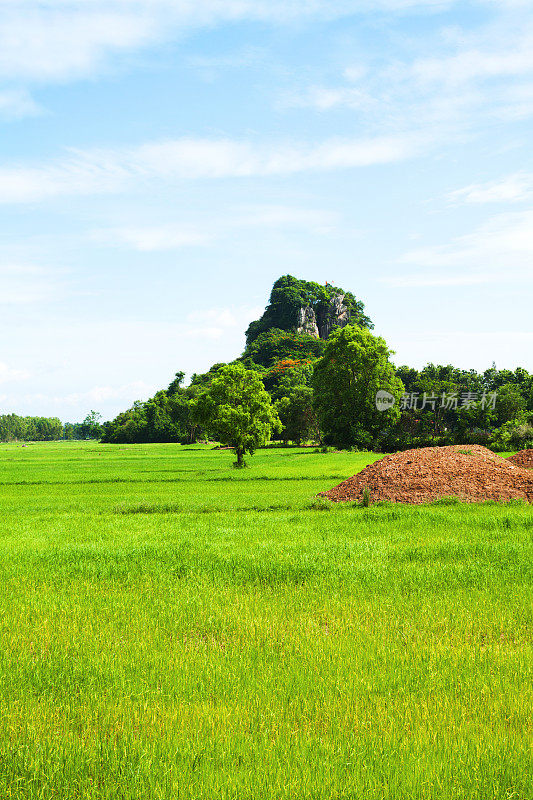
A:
(320, 504)
(477, 436)
(516, 434)
(365, 497)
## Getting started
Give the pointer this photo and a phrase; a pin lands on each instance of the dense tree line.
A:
(446, 405)
(166, 417)
(48, 429)
(24, 429)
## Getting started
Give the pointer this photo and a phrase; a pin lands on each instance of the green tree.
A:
(13, 427)
(91, 427)
(355, 365)
(298, 415)
(237, 410)
(509, 403)
(516, 434)
(175, 385)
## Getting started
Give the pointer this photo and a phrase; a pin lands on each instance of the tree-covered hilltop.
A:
(292, 332)
(305, 307)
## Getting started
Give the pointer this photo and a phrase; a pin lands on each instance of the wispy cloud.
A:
(127, 392)
(500, 249)
(471, 76)
(96, 171)
(216, 322)
(45, 40)
(18, 103)
(209, 66)
(24, 284)
(435, 280)
(151, 239)
(8, 374)
(176, 236)
(512, 189)
(66, 40)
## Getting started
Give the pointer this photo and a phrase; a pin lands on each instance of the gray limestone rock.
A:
(320, 325)
(306, 322)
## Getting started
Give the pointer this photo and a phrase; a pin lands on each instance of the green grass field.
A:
(174, 628)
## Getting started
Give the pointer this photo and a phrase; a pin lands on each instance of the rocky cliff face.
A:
(306, 322)
(320, 325)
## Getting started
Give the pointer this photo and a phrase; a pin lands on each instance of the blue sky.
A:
(163, 162)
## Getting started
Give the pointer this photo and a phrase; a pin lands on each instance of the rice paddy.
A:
(174, 628)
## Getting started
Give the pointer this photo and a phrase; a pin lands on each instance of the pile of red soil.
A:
(469, 472)
(522, 459)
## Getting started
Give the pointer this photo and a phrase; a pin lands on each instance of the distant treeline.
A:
(47, 429)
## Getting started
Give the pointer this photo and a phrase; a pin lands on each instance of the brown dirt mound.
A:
(522, 459)
(470, 472)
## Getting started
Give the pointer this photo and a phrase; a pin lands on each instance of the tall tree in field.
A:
(91, 427)
(236, 410)
(354, 367)
(298, 415)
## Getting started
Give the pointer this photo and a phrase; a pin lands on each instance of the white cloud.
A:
(151, 239)
(86, 360)
(464, 347)
(8, 374)
(204, 158)
(204, 332)
(324, 98)
(471, 77)
(428, 281)
(96, 171)
(175, 236)
(43, 42)
(209, 66)
(278, 216)
(491, 59)
(221, 316)
(18, 103)
(500, 249)
(24, 284)
(75, 175)
(219, 321)
(97, 394)
(22, 270)
(65, 39)
(513, 188)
